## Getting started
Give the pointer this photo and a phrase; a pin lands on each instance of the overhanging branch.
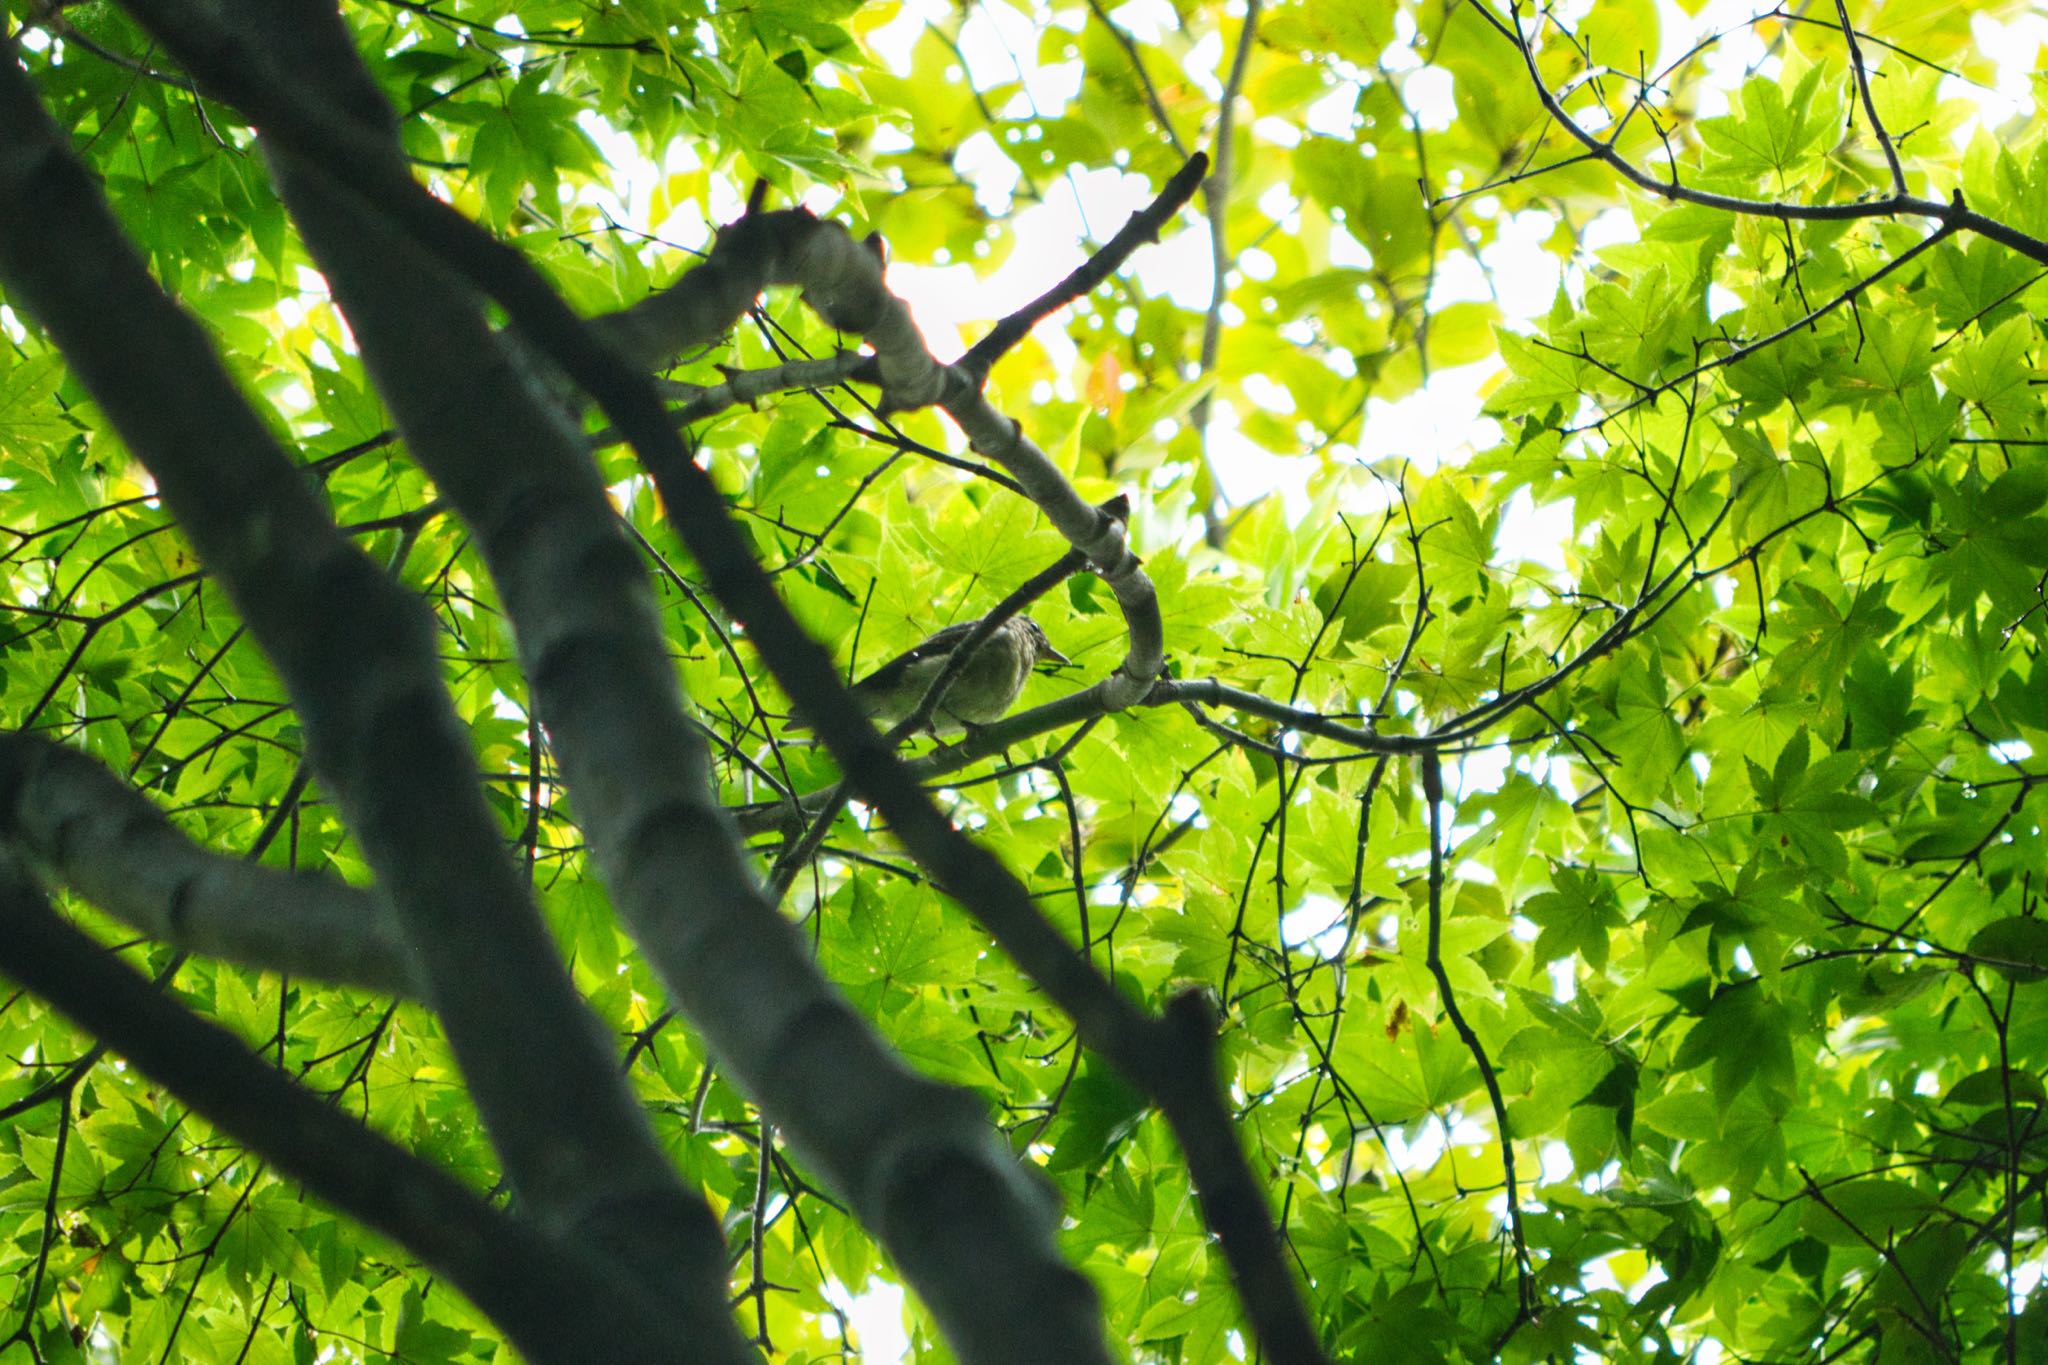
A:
(510, 1271)
(1953, 215)
(357, 655)
(105, 840)
(891, 1142)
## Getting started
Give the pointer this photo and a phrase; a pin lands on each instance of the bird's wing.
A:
(935, 646)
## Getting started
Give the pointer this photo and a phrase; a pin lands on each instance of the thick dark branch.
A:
(1144, 1048)
(510, 1271)
(893, 1143)
(703, 305)
(357, 654)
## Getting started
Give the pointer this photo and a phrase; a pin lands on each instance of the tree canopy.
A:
(1532, 858)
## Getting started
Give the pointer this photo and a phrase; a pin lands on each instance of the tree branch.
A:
(512, 1272)
(802, 849)
(844, 284)
(1433, 793)
(1143, 227)
(889, 1140)
(1884, 140)
(1216, 203)
(1953, 214)
(106, 841)
(357, 655)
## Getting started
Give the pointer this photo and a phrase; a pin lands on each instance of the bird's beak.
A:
(1048, 655)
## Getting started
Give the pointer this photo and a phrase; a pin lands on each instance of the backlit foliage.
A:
(1725, 617)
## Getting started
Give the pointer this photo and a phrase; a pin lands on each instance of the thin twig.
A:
(1143, 227)
(1152, 100)
(1216, 200)
(1433, 793)
(1891, 153)
(1955, 213)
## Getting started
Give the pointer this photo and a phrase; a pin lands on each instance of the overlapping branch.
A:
(356, 653)
(821, 815)
(1171, 1060)
(515, 1273)
(894, 1144)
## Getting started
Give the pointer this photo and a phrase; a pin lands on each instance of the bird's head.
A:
(1041, 648)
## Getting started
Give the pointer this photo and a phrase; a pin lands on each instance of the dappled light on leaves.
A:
(1519, 842)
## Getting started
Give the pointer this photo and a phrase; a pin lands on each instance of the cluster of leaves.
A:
(1743, 874)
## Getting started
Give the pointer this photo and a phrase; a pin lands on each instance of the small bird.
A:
(983, 690)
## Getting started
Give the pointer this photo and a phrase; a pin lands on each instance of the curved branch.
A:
(1954, 214)
(357, 655)
(1146, 1049)
(842, 280)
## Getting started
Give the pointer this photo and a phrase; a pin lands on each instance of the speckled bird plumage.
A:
(984, 690)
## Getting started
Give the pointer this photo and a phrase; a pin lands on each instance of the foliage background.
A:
(1743, 867)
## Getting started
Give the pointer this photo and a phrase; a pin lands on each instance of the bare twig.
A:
(1143, 227)
(1954, 214)
(1216, 201)
(1433, 794)
(1891, 152)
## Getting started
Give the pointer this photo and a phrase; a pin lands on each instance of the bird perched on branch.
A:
(985, 688)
